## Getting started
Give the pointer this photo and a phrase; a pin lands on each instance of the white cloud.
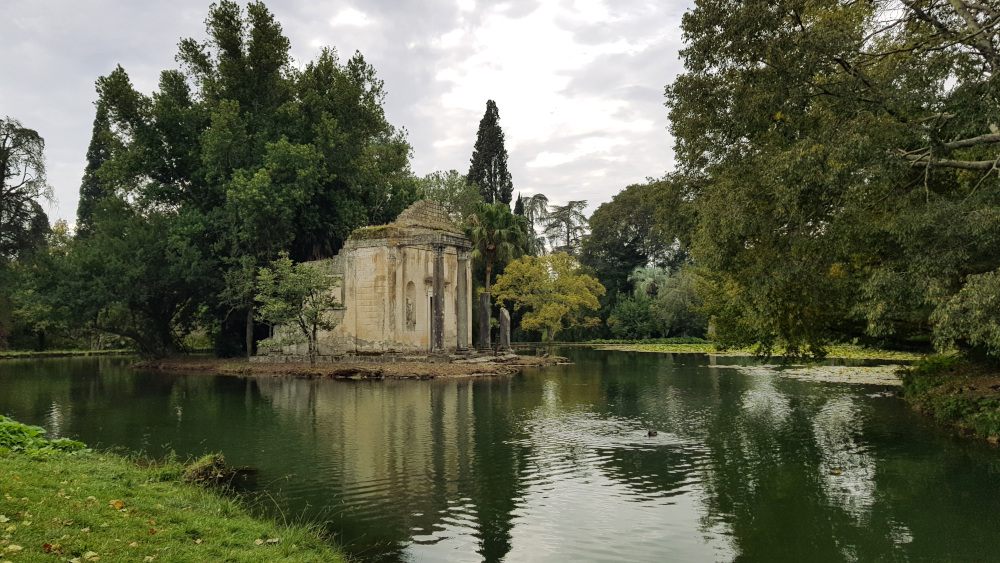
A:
(350, 17)
(590, 146)
(579, 85)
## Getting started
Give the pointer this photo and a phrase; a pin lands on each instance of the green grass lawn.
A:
(59, 502)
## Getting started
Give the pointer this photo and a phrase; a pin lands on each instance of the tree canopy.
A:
(641, 226)
(488, 168)
(299, 296)
(840, 159)
(566, 225)
(554, 290)
(458, 197)
(23, 223)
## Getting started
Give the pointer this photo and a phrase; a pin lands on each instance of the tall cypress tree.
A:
(519, 206)
(91, 191)
(488, 168)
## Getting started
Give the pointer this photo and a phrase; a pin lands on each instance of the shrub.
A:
(18, 437)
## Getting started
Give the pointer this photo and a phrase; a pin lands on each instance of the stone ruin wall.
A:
(382, 311)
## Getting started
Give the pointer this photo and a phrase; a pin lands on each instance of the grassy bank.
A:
(25, 354)
(955, 391)
(79, 506)
(842, 351)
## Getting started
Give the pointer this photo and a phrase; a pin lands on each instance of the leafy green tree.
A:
(632, 317)
(841, 163)
(35, 316)
(566, 224)
(296, 295)
(23, 223)
(648, 280)
(458, 197)
(553, 288)
(128, 278)
(641, 226)
(488, 168)
(677, 308)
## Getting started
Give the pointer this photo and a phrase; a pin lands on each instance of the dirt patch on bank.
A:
(480, 367)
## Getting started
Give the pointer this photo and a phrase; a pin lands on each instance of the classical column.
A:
(462, 300)
(392, 292)
(438, 326)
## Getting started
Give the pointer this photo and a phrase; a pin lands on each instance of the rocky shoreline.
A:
(410, 367)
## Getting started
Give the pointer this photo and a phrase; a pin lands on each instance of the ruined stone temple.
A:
(405, 287)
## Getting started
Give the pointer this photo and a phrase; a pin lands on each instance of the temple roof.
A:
(424, 222)
(427, 214)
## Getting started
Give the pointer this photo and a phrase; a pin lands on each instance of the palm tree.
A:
(648, 280)
(497, 235)
(536, 211)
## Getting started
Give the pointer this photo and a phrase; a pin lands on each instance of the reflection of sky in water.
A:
(55, 417)
(847, 471)
(581, 468)
(764, 402)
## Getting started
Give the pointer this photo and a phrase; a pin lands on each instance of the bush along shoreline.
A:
(60, 501)
(956, 391)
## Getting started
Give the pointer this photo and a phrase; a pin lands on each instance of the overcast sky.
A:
(579, 83)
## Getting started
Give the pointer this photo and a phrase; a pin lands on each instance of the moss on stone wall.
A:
(391, 230)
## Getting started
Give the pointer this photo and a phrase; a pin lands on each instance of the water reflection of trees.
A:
(397, 462)
(779, 469)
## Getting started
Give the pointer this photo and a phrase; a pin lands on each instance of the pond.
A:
(557, 464)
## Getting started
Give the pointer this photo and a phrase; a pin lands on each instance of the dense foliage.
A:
(553, 289)
(840, 159)
(451, 189)
(23, 223)
(663, 304)
(497, 235)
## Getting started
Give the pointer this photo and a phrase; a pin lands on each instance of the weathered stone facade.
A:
(406, 287)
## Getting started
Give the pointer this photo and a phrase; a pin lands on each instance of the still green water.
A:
(556, 464)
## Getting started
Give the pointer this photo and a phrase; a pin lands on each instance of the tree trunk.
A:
(312, 347)
(250, 332)
(489, 273)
